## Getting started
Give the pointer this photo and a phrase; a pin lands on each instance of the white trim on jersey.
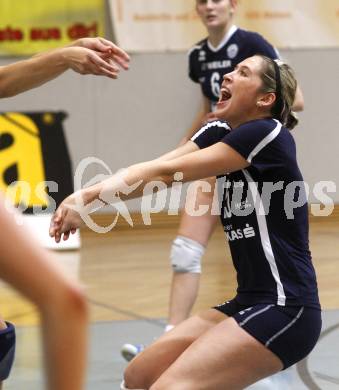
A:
(195, 47)
(264, 236)
(226, 38)
(208, 125)
(270, 137)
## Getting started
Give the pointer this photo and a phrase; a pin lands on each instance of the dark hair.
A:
(279, 78)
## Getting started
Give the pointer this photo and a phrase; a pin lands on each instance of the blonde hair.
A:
(284, 85)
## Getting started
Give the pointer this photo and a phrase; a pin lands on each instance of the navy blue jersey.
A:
(207, 65)
(268, 236)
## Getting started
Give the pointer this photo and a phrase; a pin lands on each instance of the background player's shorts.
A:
(7, 350)
(290, 332)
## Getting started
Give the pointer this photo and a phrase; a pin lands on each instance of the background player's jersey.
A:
(207, 65)
(268, 236)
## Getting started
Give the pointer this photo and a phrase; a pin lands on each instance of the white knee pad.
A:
(186, 255)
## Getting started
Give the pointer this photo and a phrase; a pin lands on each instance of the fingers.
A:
(66, 219)
(54, 231)
(105, 46)
(101, 44)
(120, 61)
(56, 221)
(102, 67)
(67, 234)
(97, 44)
(57, 237)
(62, 233)
(113, 60)
(88, 61)
(116, 51)
(120, 57)
(57, 227)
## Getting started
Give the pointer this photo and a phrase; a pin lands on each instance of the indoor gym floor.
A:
(127, 275)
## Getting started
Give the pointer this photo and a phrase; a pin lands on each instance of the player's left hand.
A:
(66, 219)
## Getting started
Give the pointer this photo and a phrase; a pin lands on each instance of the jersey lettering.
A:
(215, 84)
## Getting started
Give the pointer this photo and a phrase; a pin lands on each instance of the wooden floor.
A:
(126, 273)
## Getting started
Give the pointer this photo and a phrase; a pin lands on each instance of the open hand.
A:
(87, 61)
(105, 46)
(66, 219)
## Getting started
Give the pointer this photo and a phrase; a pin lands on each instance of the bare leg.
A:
(185, 286)
(184, 292)
(147, 366)
(225, 357)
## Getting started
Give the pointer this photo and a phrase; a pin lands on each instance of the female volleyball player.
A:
(274, 320)
(225, 46)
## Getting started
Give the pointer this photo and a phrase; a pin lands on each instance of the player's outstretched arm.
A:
(95, 56)
(131, 183)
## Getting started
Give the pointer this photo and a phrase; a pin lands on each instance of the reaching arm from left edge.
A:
(95, 56)
(131, 183)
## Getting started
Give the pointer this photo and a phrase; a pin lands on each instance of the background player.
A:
(23, 263)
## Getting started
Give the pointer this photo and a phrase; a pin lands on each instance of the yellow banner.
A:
(159, 25)
(30, 26)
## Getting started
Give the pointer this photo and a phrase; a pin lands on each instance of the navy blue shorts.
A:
(290, 332)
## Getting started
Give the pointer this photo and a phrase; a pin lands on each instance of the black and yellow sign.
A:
(35, 166)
